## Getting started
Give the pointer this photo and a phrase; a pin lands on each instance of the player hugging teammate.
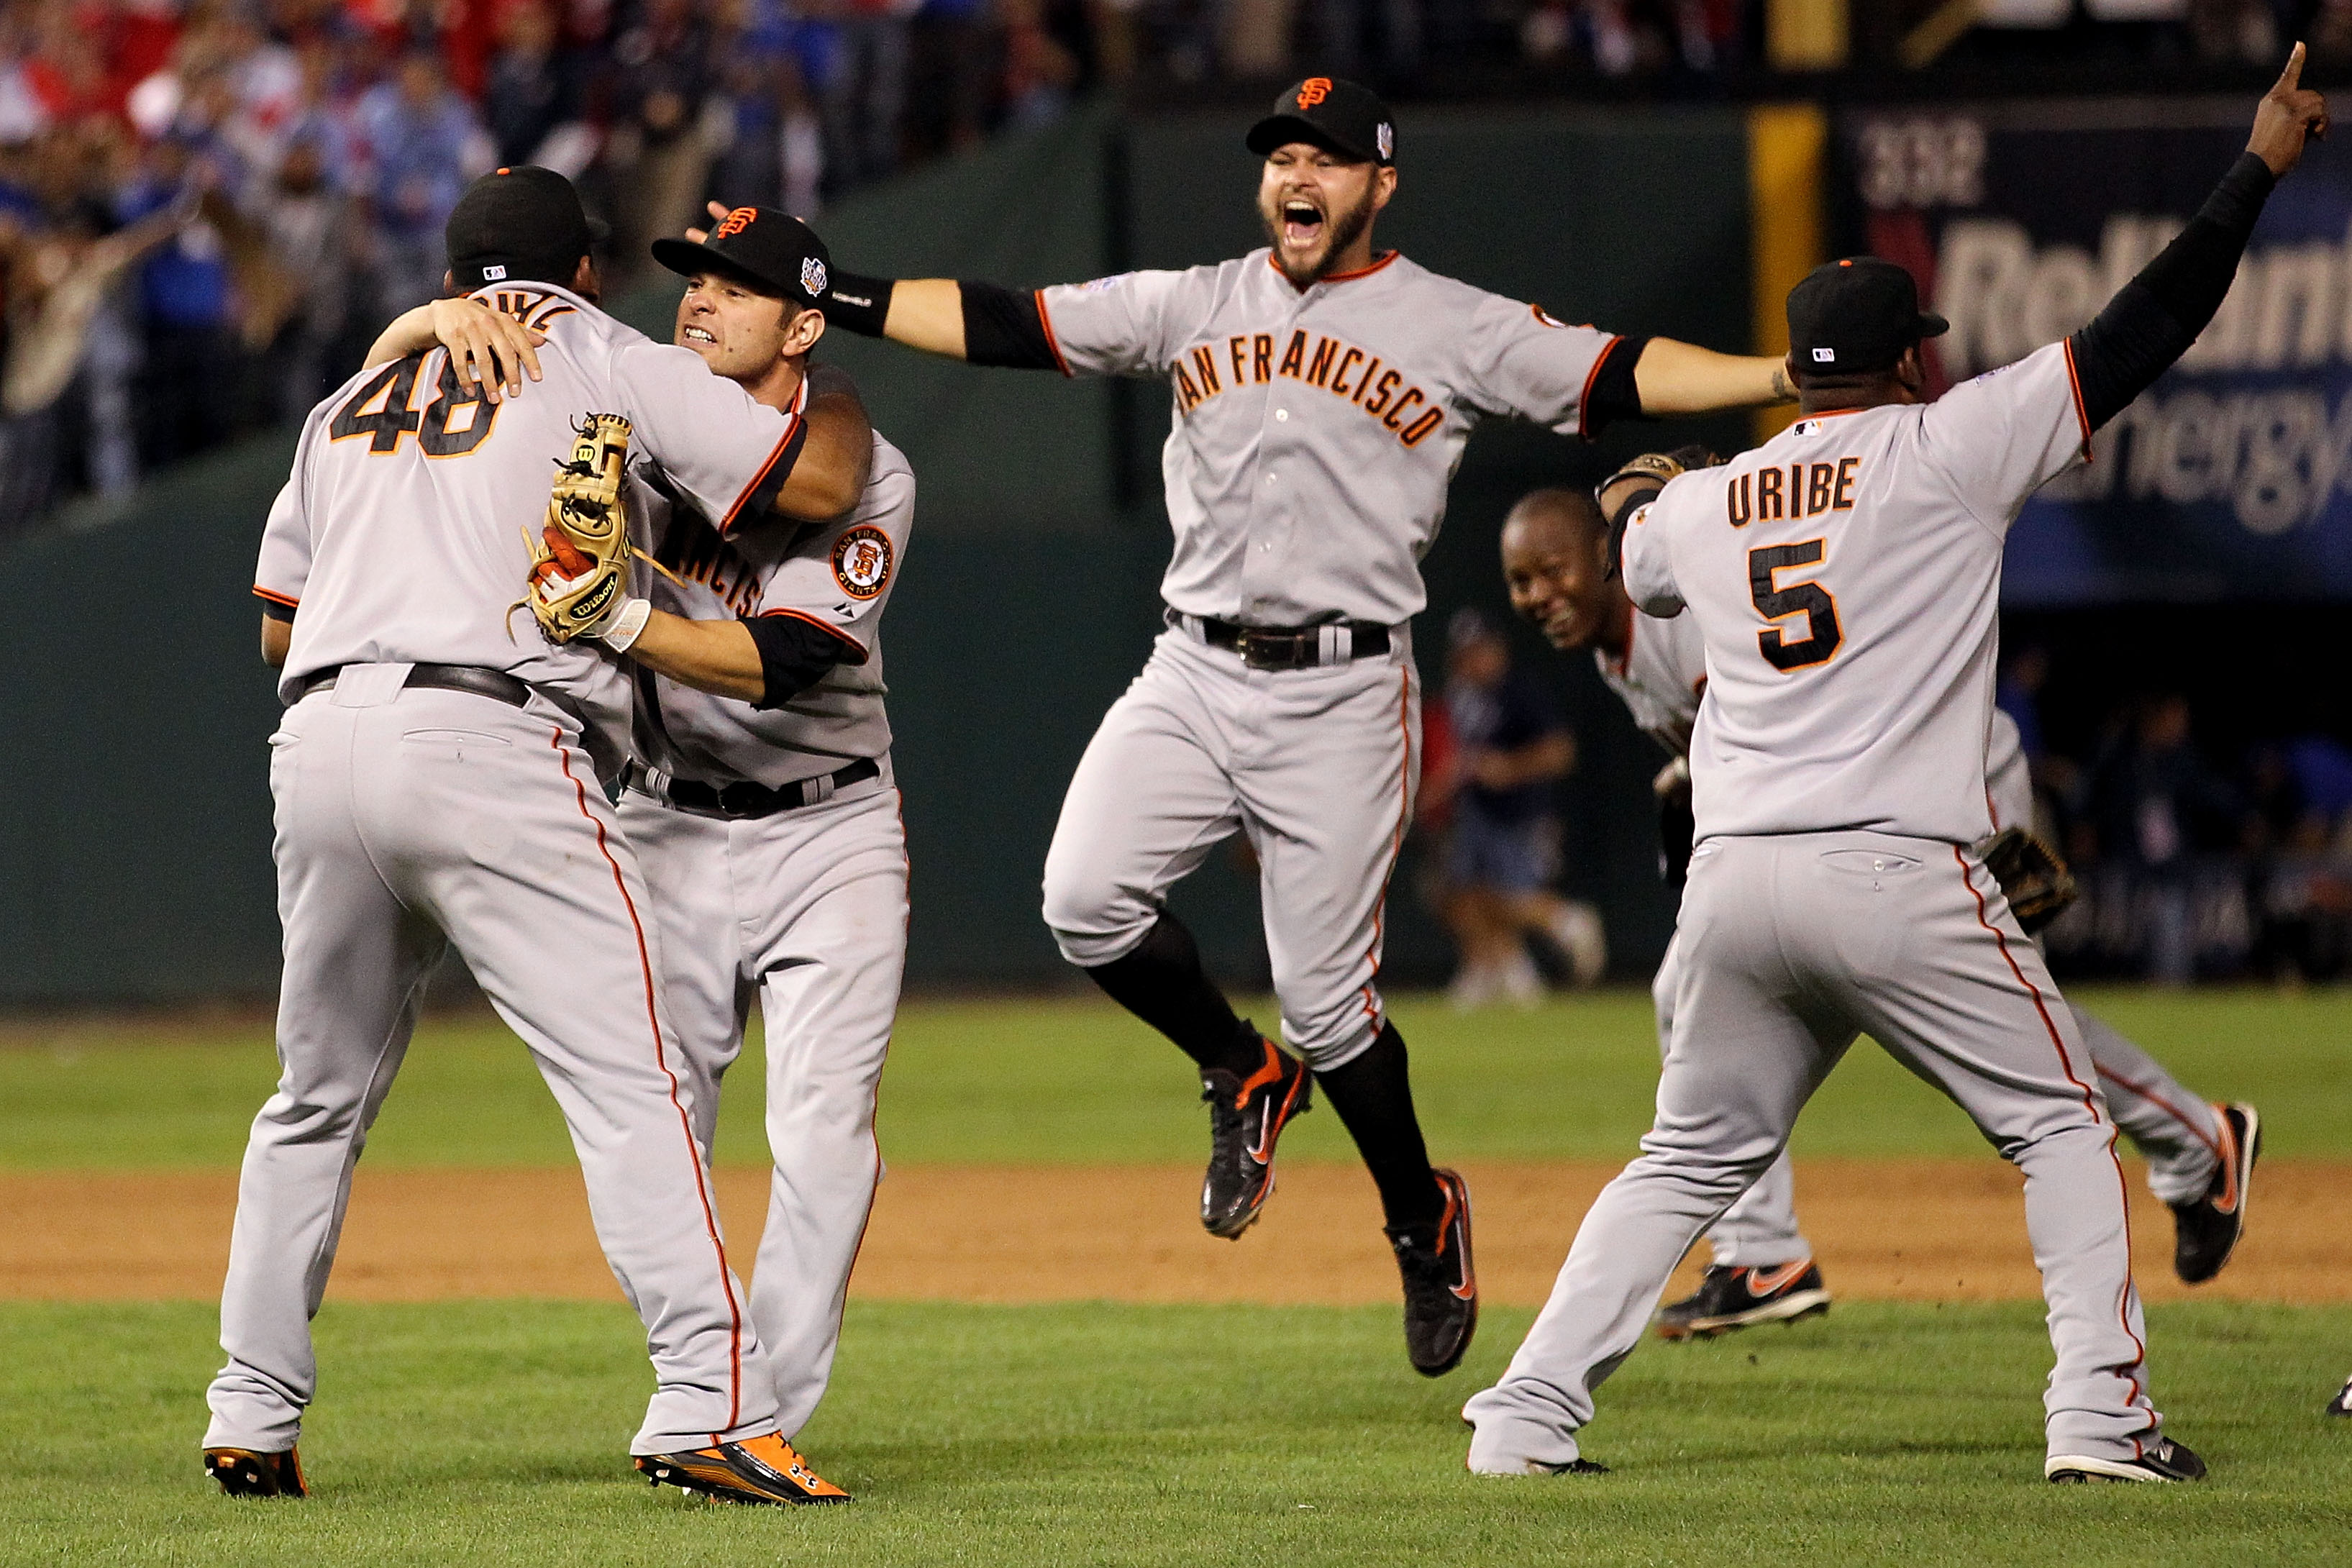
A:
(441, 778)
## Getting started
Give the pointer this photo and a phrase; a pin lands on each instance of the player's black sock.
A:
(1162, 982)
(1374, 1100)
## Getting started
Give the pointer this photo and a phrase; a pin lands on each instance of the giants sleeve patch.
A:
(862, 561)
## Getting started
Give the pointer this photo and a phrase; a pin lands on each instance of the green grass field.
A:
(1078, 1081)
(494, 1432)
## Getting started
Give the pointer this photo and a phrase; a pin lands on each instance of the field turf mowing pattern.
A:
(495, 1432)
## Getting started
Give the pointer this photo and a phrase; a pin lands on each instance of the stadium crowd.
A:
(207, 207)
(2197, 859)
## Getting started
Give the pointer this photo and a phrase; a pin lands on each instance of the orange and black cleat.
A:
(2206, 1229)
(241, 1472)
(1441, 1283)
(1246, 1115)
(764, 1470)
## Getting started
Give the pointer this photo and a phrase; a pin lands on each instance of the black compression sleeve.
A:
(2154, 318)
(1614, 393)
(857, 304)
(1001, 327)
(794, 655)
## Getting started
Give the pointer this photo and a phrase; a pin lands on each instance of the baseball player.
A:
(1844, 578)
(1322, 392)
(2200, 1156)
(760, 798)
(439, 779)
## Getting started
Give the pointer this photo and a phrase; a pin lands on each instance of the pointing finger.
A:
(2292, 77)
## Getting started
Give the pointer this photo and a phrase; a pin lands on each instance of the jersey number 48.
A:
(457, 421)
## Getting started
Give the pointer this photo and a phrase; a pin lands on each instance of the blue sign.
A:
(2232, 476)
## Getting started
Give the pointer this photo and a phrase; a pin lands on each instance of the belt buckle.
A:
(1263, 650)
(740, 799)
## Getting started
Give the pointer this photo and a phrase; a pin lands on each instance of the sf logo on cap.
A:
(736, 222)
(1314, 90)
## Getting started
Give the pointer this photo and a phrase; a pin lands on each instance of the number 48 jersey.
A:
(1846, 577)
(401, 536)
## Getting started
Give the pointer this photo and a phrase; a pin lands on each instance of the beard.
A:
(1341, 229)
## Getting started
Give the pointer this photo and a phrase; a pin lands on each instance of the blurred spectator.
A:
(534, 94)
(1505, 748)
(306, 221)
(660, 143)
(2154, 803)
(422, 143)
(866, 96)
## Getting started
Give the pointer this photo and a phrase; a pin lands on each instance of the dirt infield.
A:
(1919, 1230)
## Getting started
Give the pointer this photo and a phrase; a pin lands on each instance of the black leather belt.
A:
(744, 802)
(1289, 647)
(496, 685)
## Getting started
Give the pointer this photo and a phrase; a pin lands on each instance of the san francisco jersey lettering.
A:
(1312, 435)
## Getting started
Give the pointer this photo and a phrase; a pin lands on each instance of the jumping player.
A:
(760, 799)
(439, 780)
(1838, 779)
(1322, 393)
(2200, 1156)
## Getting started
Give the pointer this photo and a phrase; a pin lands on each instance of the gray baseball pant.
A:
(1792, 946)
(407, 820)
(2173, 1129)
(1316, 766)
(806, 909)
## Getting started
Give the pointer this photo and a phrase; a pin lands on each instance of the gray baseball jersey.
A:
(1659, 676)
(1847, 574)
(836, 575)
(1314, 434)
(395, 553)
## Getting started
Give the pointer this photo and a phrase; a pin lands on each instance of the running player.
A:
(1322, 393)
(439, 781)
(2200, 1156)
(1838, 779)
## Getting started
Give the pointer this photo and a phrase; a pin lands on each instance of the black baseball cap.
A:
(1856, 316)
(774, 251)
(1329, 113)
(524, 223)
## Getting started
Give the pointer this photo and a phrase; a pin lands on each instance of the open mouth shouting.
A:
(1302, 223)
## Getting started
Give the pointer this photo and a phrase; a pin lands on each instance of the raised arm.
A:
(979, 323)
(1675, 378)
(2153, 318)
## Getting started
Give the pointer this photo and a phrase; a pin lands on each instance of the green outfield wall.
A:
(134, 858)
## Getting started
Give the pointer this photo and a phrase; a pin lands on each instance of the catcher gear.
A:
(580, 563)
(2034, 876)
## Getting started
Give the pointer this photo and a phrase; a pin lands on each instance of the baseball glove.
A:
(580, 561)
(2034, 876)
(1649, 473)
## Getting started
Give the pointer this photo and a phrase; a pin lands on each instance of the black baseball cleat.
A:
(2206, 1229)
(1246, 1115)
(2167, 1461)
(764, 1471)
(2342, 1403)
(1728, 1299)
(242, 1472)
(1441, 1283)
